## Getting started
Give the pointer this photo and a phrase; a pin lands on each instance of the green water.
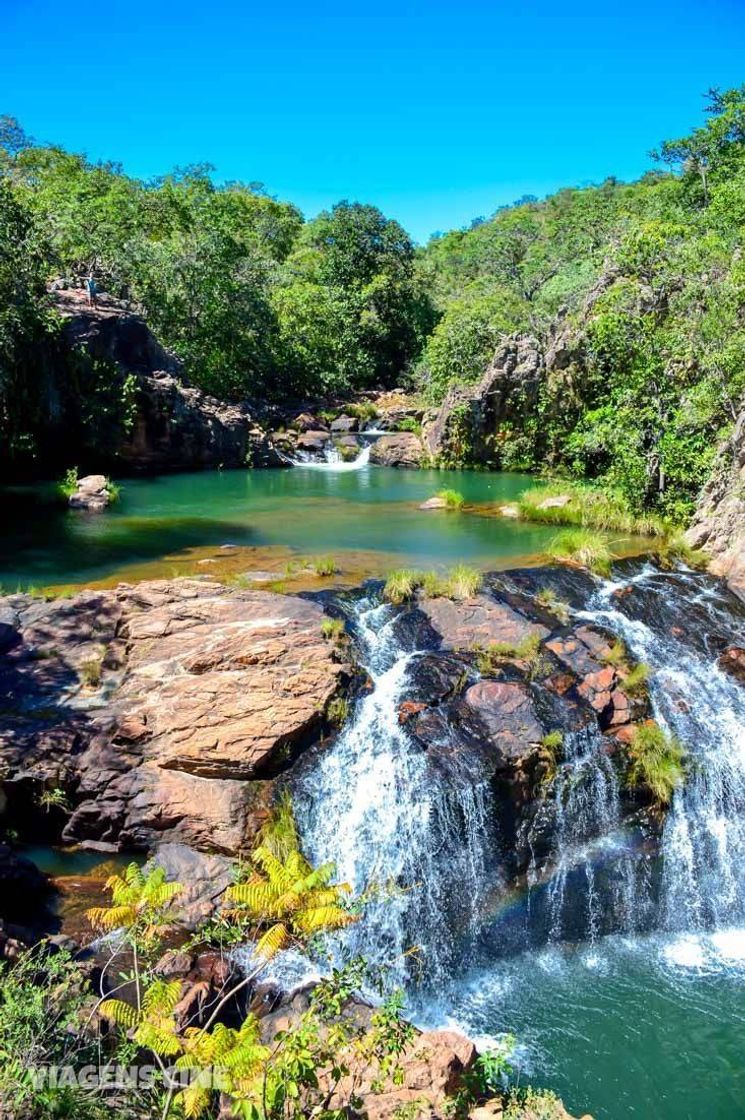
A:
(308, 510)
(650, 1028)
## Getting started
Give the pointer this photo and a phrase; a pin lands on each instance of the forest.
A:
(260, 303)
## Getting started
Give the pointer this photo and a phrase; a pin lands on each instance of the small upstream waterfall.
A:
(371, 805)
(332, 460)
(703, 848)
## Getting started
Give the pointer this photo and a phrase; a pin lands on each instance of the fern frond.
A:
(259, 898)
(119, 1012)
(320, 919)
(273, 868)
(161, 997)
(194, 1100)
(161, 894)
(275, 939)
(159, 1036)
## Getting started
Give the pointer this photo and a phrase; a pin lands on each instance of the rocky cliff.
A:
(173, 426)
(719, 523)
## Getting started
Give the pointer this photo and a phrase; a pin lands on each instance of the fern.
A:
(275, 939)
(121, 1013)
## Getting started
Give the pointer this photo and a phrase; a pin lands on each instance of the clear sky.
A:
(437, 112)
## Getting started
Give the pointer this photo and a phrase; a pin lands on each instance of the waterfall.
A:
(587, 831)
(703, 844)
(372, 805)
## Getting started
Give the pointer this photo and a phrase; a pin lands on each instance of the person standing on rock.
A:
(90, 287)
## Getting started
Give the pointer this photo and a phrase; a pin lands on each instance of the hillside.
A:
(632, 297)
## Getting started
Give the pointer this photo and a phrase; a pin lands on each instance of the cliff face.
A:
(174, 425)
(719, 522)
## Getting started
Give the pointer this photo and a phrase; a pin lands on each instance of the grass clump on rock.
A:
(461, 582)
(332, 629)
(582, 548)
(453, 499)
(527, 649)
(551, 601)
(657, 761)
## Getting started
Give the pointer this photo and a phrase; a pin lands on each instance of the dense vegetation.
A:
(645, 282)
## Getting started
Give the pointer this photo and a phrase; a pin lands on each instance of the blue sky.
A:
(436, 112)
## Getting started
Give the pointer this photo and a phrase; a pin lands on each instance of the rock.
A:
(305, 422)
(478, 622)
(719, 521)
(92, 493)
(203, 878)
(732, 661)
(345, 424)
(312, 441)
(175, 426)
(399, 449)
(209, 695)
(511, 511)
(466, 427)
(507, 712)
(434, 503)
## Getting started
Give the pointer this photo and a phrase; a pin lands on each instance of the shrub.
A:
(582, 548)
(657, 761)
(550, 600)
(68, 485)
(452, 498)
(676, 550)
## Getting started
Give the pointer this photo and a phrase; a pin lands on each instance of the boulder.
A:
(345, 424)
(732, 661)
(201, 698)
(397, 449)
(478, 622)
(92, 493)
(313, 440)
(434, 503)
(204, 879)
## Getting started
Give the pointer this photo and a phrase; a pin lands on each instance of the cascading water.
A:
(703, 846)
(587, 825)
(371, 805)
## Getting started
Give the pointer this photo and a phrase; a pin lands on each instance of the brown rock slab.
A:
(478, 621)
(505, 708)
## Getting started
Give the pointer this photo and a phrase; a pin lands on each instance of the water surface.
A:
(167, 519)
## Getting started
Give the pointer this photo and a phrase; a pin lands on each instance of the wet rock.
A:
(478, 622)
(399, 449)
(434, 503)
(732, 661)
(507, 712)
(305, 422)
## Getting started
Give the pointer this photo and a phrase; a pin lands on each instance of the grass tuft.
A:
(332, 629)
(657, 761)
(452, 498)
(337, 711)
(401, 585)
(636, 680)
(461, 582)
(583, 548)
(550, 600)
(489, 659)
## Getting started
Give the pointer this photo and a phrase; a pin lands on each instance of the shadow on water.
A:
(41, 540)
